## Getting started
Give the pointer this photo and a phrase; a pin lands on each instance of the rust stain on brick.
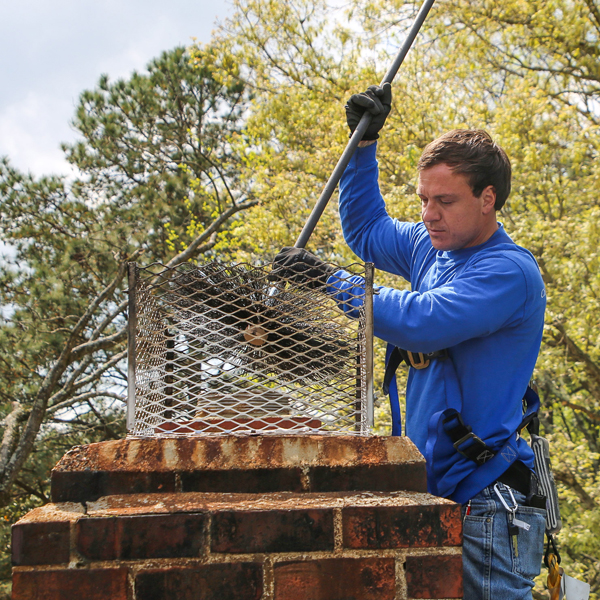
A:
(423, 580)
(92, 584)
(451, 522)
(231, 452)
(336, 579)
(271, 450)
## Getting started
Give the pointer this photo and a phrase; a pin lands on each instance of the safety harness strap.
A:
(390, 387)
(393, 358)
(417, 360)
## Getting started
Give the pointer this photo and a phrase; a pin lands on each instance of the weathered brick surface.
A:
(139, 537)
(70, 584)
(434, 576)
(88, 486)
(402, 527)
(182, 509)
(238, 464)
(237, 452)
(336, 579)
(96, 539)
(234, 581)
(40, 543)
(272, 531)
(256, 481)
(373, 478)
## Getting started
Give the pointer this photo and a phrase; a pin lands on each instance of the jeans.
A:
(494, 567)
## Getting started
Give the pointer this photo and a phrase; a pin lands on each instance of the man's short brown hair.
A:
(473, 153)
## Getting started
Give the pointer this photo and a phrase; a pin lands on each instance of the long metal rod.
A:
(357, 136)
(131, 338)
(369, 324)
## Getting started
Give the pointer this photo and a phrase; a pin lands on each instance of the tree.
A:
(157, 180)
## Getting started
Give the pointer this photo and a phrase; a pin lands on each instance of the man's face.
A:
(454, 217)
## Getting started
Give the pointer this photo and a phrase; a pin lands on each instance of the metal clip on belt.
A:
(417, 360)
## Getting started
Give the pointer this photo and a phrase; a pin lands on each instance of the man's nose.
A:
(430, 213)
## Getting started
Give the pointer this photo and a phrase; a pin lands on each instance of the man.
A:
(470, 328)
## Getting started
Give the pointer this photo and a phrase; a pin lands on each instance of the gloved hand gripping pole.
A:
(357, 136)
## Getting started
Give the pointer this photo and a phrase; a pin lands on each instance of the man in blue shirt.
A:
(471, 328)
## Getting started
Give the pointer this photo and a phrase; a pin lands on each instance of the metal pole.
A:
(369, 326)
(132, 269)
(357, 136)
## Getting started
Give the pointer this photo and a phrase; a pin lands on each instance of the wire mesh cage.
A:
(220, 349)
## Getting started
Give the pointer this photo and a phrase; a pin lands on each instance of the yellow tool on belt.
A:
(555, 572)
(560, 585)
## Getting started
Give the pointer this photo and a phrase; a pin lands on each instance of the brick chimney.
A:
(240, 517)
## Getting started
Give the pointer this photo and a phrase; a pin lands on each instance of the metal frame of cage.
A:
(219, 349)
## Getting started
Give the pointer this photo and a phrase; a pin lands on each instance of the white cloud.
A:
(52, 51)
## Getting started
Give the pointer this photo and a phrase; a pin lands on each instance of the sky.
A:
(52, 50)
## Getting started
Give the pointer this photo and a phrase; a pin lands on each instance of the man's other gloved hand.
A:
(300, 266)
(378, 101)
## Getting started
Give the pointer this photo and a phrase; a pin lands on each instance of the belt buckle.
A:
(423, 362)
(485, 453)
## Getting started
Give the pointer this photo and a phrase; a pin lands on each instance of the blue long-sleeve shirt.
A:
(485, 304)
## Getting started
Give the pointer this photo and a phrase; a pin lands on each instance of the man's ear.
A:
(489, 199)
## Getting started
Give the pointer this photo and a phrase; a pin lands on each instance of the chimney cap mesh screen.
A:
(219, 349)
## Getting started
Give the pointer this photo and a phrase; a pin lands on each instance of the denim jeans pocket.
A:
(527, 560)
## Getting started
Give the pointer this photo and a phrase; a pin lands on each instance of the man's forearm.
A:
(365, 143)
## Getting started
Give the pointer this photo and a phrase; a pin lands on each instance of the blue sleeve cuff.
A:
(363, 156)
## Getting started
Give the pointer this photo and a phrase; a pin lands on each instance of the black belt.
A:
(518, 476)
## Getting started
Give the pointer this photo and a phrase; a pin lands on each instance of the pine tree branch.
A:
(100, 344)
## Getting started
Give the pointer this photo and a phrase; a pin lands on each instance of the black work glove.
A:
(300, 266)
(378, 101)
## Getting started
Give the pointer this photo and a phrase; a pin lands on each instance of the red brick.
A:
(160, 536)
(434, 576)
(84, 584)
(336, 579)
(272, 531)
(233, 581)
(137, 537)
(87, 486)
(373, 478)
(252, 481)
(402, 526)
(40, 543)
(96, 538)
